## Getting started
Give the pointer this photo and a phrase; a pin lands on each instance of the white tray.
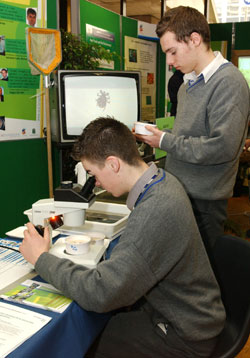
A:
(108, 229)
(18, 232)
(98, 206)
(90, 259)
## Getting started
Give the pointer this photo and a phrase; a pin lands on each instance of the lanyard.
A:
(148, 186)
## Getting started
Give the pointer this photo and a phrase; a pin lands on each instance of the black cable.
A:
(10, 248)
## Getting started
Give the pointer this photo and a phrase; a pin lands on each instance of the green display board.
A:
(104, 26)
(242, 30)
(222, 32)
(24, 173)
(163, 123)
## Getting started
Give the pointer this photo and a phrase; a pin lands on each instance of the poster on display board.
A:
(19, 90)
(146, 31)
(104, 38)
(140, 55)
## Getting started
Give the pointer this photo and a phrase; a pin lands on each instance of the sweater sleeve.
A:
(226, 116)
(113, 284)
(137, 263)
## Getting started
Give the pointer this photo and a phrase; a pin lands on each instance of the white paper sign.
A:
(17, 325)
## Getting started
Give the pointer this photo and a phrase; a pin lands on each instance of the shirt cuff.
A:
(161, 139)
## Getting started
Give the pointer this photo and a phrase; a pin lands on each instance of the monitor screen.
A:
(244, 67)
(86, 95)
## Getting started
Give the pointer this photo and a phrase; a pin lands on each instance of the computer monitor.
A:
(86, 95)
(241, 59)
(244, 67)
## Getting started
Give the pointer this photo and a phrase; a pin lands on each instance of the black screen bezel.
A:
(62, 74)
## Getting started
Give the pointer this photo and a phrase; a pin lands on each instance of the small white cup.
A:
(97, 238)
(77, 244)
(141, 129)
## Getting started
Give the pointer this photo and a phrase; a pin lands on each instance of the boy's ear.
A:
(195, 38)
(113, 163)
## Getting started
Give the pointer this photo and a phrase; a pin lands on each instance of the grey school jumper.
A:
(209, 133)
(161, 257)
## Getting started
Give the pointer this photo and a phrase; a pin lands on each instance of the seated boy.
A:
(159, 268)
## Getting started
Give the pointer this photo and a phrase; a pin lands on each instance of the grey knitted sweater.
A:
(209, 133)
(161, 257)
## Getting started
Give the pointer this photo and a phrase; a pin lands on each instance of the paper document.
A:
(38, 294)
(17, 325)
(12, 264)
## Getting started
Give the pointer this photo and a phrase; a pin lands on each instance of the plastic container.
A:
(77, 244)
(140, 128)
(97, 238)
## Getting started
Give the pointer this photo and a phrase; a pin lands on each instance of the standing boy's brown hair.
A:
(183, 21)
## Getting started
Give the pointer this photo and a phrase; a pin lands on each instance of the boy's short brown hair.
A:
(103, 137)
(183, 21)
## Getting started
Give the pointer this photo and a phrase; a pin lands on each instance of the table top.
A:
(68, 334)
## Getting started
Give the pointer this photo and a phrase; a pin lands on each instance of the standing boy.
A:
(208, 136)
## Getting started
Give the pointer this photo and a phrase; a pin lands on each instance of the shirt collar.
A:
(208, 71)
(139, 186)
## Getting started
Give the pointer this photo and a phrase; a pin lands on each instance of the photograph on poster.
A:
(31, 16)
(1, 94)
(148, 100)
(2, 45)
(150, 78)
(4, 74)
(132, 55)
(2, 123)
